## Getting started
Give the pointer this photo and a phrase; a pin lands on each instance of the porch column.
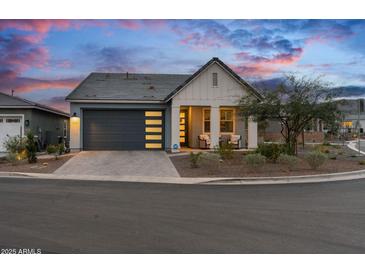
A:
(252, 133)
(175, 130)
(214, 126)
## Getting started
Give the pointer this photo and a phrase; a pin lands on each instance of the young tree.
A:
(295, 103)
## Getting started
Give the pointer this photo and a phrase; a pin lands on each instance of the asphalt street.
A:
(63, 216)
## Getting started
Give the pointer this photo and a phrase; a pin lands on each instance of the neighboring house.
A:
(353, 117)
(315, 133)
(125, 111)
(18, 116)
(353, 122)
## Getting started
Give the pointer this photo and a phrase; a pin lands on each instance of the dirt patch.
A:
(236, 167)
(42, 165)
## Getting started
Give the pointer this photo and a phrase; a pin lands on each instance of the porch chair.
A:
(235, 141)
(204, 141)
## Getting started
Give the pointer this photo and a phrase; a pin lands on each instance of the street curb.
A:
(333, 177)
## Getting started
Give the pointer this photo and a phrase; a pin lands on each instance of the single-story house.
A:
(18, 116)
(133, 111)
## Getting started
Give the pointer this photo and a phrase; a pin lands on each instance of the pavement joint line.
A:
(331, 177)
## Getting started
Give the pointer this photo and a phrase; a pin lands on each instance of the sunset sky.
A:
(43, 60)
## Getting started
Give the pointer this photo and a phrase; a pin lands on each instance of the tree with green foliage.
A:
(296, 102)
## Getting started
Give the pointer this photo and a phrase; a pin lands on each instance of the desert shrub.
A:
(210, 161)
(323, 148)
(14, 144)
(225, 151)
(315, 159)
(288, 160)
(61, 148)
(326, 143)
(271, 151)
(31, 148)
(11, 157)
(53, 149)
(195, 159)
(255, 160)
(362, 162)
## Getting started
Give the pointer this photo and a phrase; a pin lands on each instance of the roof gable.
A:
(225, 68)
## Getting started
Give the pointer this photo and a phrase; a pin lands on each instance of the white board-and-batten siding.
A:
(200, 91)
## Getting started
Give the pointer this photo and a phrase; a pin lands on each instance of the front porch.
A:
(205, 127)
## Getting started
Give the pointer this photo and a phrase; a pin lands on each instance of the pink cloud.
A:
(36, 25)
(252, 65)
(134, 24)
(28, 85)
(130, 24)
(21, 53)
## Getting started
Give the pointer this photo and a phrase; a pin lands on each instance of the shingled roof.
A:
(9, 101)
(127, 86)
(142, 87)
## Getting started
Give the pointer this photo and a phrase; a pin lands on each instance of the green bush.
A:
(255, 160)
(271, 151)
(315, 159)
(323, 148)
(61, 148)
(11, 157)
(195, 159)
(288, 160)
(15, 144)
(31, 148)
(225, 151)
(51, 149)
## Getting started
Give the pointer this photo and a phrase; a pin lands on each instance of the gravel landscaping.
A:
(42, 166)
(340, 159)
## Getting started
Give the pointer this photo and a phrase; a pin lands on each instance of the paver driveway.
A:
(120, 163)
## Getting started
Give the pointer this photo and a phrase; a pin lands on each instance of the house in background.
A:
(353, 121)
(18, 116)
(124, 111)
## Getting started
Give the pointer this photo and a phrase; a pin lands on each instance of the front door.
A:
(184, 128)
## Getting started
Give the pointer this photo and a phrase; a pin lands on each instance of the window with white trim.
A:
(215, 79)
(206, 118)
(226, 122)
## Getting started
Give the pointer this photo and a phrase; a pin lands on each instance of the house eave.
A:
(35, 107)
(114, 101)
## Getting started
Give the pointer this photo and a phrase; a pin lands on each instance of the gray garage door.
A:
(121, 130)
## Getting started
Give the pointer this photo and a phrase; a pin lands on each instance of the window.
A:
(206, 118)
(215, 79)
(226, 125)
(13, 120)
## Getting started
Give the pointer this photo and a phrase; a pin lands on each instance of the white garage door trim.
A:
(5, 116)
